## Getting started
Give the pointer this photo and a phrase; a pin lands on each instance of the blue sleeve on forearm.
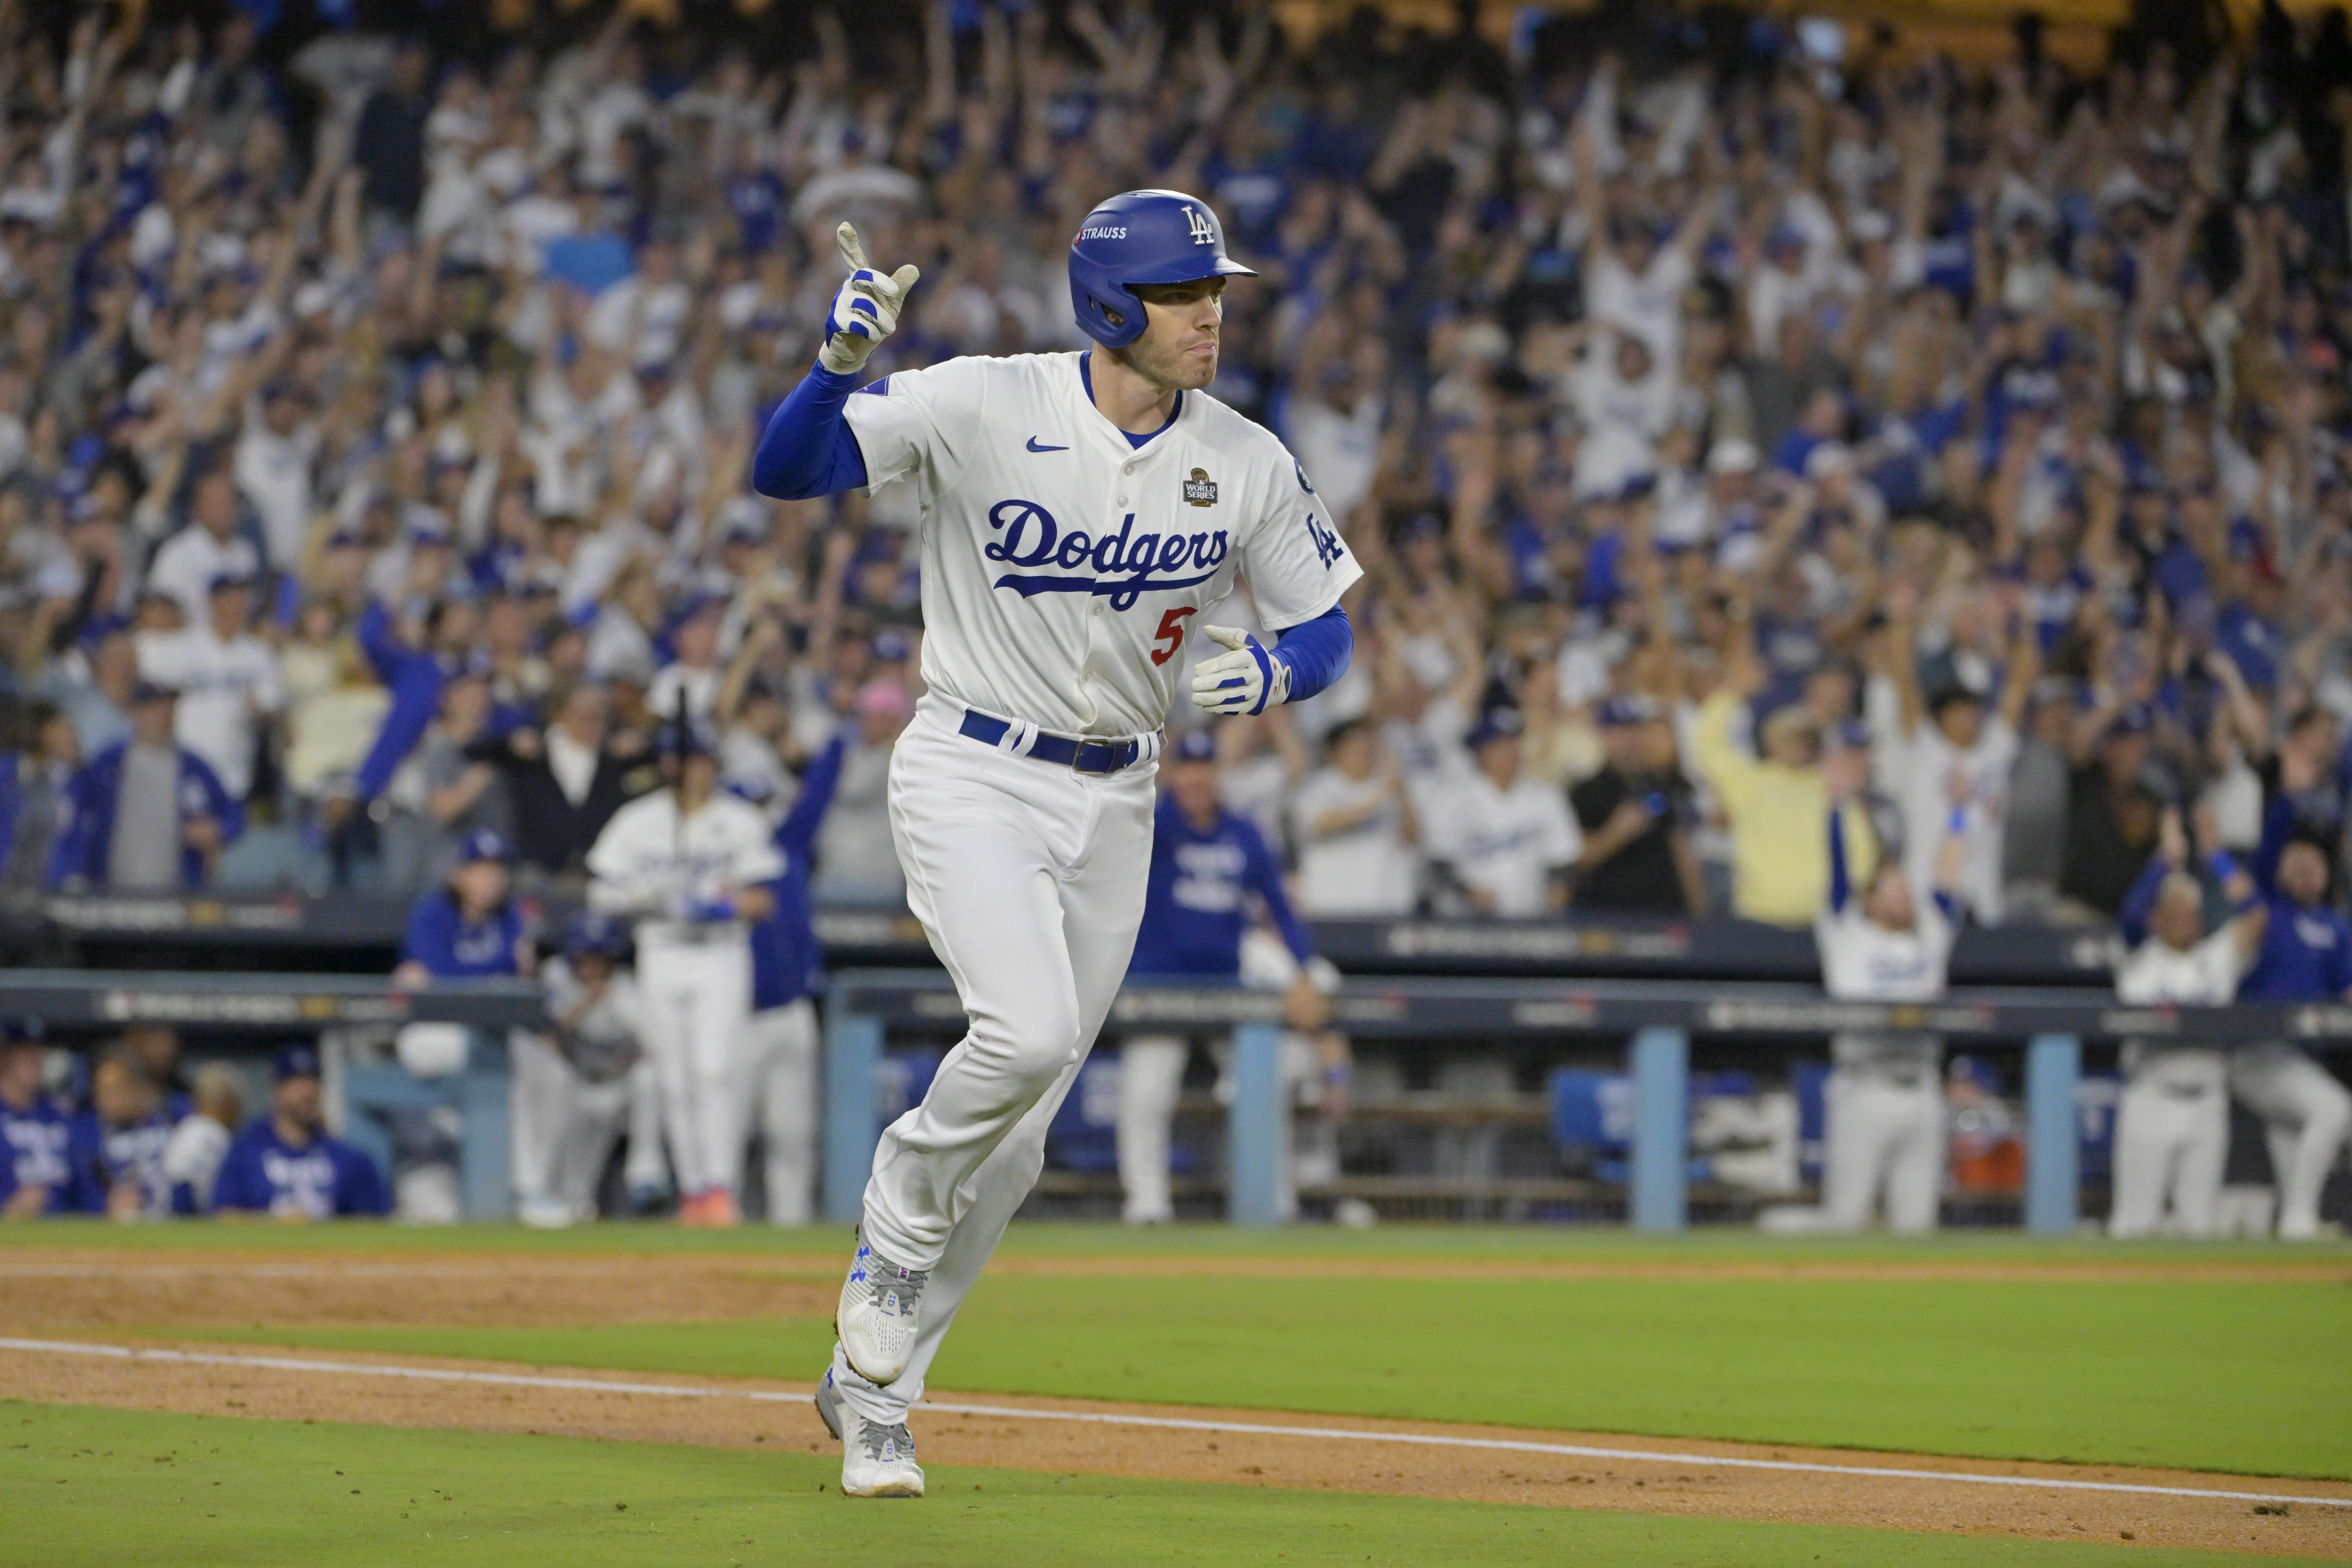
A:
(2278, 826)
(798, 830)
(1267, 873)
(1316, 652)
(416, 697)
(1841, 886)
(2140, 904)
(808, 449)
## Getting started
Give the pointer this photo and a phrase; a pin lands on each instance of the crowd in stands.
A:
(1719, 409)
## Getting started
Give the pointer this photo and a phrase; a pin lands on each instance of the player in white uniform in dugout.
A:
(2172, 1125)
(1884, 1123)
(1081, 512)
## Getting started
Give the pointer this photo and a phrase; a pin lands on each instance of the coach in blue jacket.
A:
(147, 813)
(779, 1053)
(1213, 875)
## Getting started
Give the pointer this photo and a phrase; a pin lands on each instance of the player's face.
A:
(298, 1102)
(1183, 323)
(1194, 788)
(1890, 904)
(2303, 873)
(482, 884)
(2179, 920)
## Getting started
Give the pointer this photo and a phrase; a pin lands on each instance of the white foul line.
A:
(1161, 1423)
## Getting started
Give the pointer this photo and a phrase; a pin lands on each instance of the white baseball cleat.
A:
(878, 1317)
(876, 1460)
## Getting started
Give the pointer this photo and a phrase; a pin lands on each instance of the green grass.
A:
(2232, 1376)
(1447, 1243)
(81, 1484)
(2237, 1377)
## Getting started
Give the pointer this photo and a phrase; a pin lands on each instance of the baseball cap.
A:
(484, 843)
(1495, 724)
(296, 1058)
(1623, 710)
(1193, 746)
(593, 931)
(222, 581)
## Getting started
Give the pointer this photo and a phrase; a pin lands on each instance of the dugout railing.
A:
(1658, 1018)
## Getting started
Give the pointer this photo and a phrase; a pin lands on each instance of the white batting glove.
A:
(1249, 679)
(865, 311)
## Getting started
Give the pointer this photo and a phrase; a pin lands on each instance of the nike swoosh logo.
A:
(1035, 448)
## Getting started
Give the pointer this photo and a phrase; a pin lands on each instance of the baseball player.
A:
(36, 1175)
(1081, 514)
(778, 1054)
(688, 863)
(2305, 956)
(1210, 869)
(598, 1042)
(1885, 1098)
(2172, 1124)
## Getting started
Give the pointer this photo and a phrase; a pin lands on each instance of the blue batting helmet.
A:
(1141, 237)
(592, 932)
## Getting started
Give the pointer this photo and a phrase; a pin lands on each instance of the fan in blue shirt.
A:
(285, 1166)
(35, 1176)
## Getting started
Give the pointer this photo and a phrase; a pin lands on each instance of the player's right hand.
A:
(865, 311)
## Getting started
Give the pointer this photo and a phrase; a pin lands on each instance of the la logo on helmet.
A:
(1197, 223)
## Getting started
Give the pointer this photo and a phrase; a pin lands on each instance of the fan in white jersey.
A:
(690, 864)
(1884, 1130)
(1082, 513)
(2172, 1126)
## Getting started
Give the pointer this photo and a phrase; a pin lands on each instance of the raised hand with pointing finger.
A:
(865, 311)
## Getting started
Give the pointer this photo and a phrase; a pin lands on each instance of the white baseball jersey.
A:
(222, 686)
(2155, 974)
(1063, 567)
(1507, 842)
(1862, 960)
(644, 863)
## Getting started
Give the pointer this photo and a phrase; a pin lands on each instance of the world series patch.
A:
(1201, 490)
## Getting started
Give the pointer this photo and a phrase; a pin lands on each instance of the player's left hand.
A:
(865, 311)
(1249, 679)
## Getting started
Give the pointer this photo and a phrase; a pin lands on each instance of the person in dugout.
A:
(287, 1166)
(1212, 873)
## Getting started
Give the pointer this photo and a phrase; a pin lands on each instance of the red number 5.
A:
(1171, 635)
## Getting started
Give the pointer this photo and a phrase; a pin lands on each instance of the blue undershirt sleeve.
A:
(1316, 652)
(808, 449)
(1841, 886)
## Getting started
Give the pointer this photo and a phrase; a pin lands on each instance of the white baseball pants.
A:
(1029, 881)
(539, 1100)
(696, 996)
(779, 1062)
(1150, 1082)
(2306, 1113)
(645, 1168)
(2172, 1140)
(1150, 1079)
(1882, 1133)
